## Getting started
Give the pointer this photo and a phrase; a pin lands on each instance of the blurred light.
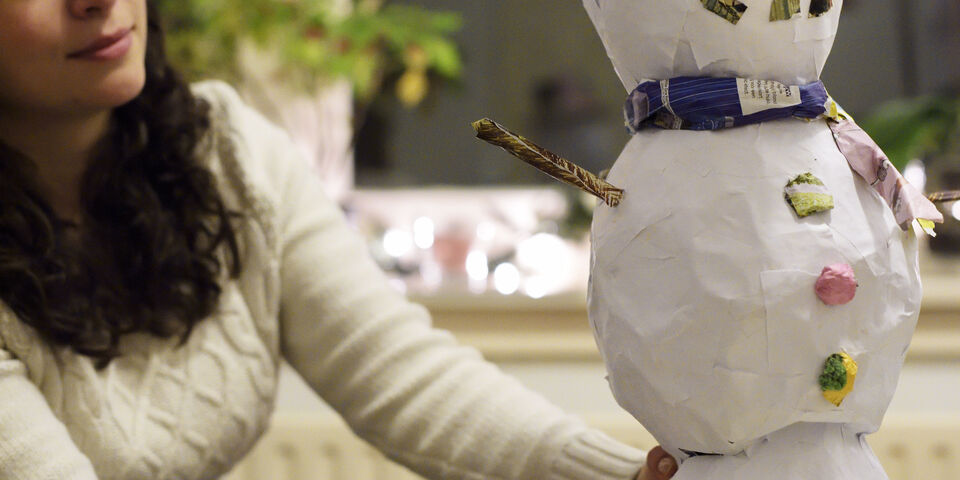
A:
(486, 231)
(397, 243)
(543, 253)
(476, 265)
(506, 278)
(955, 210)
(478, 271)
(423, 232)
(398, 285)
(916, 174)
(549, 226)
(431, 273)
(537, 287)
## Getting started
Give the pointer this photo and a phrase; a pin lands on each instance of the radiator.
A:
(320, 447)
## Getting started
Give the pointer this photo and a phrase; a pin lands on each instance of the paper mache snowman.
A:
(754, 293)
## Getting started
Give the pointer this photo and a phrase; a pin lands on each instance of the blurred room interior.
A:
(500, 253)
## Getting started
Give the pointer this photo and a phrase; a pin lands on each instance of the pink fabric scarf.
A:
(867, 159)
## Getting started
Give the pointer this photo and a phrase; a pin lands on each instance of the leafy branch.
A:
(916, 128)
(316, 41)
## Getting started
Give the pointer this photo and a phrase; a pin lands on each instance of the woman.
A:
(162, 248)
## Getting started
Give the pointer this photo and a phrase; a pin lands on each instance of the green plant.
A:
(363, 41)
(916, 128)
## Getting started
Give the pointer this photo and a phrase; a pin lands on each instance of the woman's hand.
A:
(660, 465)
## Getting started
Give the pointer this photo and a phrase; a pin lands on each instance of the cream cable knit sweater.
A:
(310, 294)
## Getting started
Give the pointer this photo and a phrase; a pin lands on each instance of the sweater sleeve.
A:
(408, 389)
(34, 444)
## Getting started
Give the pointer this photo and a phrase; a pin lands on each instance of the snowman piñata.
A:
(754, 293)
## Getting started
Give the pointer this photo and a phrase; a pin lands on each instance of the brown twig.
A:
(945, 196)
(547, 161)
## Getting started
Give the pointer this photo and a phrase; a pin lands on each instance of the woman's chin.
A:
(111, 93)
(119, 91)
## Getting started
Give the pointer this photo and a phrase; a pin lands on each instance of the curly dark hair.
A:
(156, 237)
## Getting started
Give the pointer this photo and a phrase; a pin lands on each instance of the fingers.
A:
(662, 465)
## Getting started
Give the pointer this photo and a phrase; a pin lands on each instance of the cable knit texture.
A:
(310, 294)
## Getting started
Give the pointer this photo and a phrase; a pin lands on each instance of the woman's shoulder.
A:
(246, 146)
(216, 91)
(231, 115)
(18, 340)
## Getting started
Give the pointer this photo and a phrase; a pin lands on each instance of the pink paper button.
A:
(837, 284)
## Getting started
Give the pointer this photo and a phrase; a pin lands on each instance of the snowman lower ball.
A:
(752, 296)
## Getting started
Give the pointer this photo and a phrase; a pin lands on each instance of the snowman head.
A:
(783, 40)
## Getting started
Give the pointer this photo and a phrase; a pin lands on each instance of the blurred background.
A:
(380, 96)
(539, 67)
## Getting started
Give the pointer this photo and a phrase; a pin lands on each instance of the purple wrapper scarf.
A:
(706, 103)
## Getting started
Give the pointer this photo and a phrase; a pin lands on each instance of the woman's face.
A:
(70, 56)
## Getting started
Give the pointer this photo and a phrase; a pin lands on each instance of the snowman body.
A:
(702, 280)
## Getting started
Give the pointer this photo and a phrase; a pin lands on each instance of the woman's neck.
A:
(61, 149)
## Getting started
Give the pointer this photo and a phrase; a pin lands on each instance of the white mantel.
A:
(547, 344)
(516, 328)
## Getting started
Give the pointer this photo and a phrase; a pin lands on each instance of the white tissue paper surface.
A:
(702, 290)
(660, 39)
(702, 286)
(830, 451)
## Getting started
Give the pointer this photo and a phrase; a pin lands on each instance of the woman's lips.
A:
(109, 47)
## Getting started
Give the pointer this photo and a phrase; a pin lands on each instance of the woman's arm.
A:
(410, 390)
(660, 465)
(34, 444)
